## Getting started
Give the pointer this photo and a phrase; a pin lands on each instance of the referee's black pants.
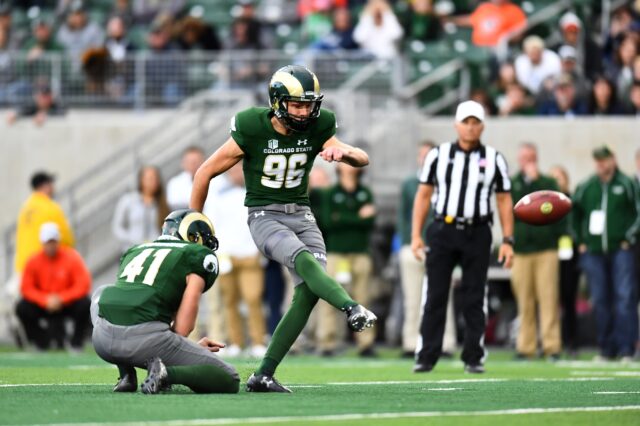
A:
(450, 245)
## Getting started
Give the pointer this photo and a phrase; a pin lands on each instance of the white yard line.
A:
(614, 392)
(376, 383)
(443, 389)
(19, 385)
(370, 416)
(606, 373)
(598, 364)
(416, 382)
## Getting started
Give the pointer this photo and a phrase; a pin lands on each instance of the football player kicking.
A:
(160, 283)
(279, 145)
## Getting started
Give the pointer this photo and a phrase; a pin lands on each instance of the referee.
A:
(464, 174)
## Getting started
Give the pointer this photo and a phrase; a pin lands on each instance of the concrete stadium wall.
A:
(560, 141)
(66, 146)
(78, 142)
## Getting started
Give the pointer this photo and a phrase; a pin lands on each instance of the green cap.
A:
(602, 152)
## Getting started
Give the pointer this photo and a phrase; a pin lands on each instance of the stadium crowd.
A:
(566, 66)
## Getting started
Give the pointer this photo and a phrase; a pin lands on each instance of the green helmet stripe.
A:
(306, 80)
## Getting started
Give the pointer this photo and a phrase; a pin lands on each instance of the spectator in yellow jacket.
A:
(39, 208)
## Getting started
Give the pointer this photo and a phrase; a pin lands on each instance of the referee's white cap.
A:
(469, 109)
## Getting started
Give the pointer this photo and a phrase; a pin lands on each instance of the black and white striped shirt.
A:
(464, 181)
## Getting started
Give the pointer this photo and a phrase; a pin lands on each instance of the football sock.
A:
(123, 370)
(321, 284)
(203, 378)
(289, 328)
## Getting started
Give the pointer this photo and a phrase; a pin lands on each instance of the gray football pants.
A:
(282, 231)
(133, 346)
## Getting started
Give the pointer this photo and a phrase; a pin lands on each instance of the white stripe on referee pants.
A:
(425, 286)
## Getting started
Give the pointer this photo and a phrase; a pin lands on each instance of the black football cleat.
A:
(359, 318)
(265, 383)
(474, 368)
(422, 368)
(127, 383)
(156, 377)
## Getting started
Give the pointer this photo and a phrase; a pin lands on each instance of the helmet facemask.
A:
(280, 107)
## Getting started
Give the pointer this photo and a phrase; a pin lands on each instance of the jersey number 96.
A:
(279, 171)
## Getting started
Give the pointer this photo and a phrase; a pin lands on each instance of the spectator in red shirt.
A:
(493, 20)
(55, 286)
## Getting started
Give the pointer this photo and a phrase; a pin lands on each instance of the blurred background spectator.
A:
(536, 64)
(569, 275)
(42, 106)
(605, 223)
(569, 64)
(411, 270)
(565, 101)
(145, 11)
(139, 214)
(41, 40)
(179, 186)
(603, 98)
(120, 50)
(195, 34)
(421, 22)
(348, 216)
(244, 71)
(634, 99)
(587, 51)
(378, 31)
(38, 209)
(341, 35)
(164, 73)
(55, 286)
(516, 101)
(535, 273)
(316, 22)
(14, 36)
(78, 33)
(122, 9)
(492, 21)
(241, 278)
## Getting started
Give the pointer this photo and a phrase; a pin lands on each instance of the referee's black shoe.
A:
(265, 383)
(422, 367)
(474, 368)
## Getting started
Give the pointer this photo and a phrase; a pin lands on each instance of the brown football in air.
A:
(542, 207)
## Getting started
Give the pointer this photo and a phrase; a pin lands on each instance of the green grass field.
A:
(56, 388)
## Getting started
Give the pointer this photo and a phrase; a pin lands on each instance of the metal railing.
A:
(146, 79)
(90, 198)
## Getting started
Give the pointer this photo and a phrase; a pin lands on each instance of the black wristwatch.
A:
(508, 240)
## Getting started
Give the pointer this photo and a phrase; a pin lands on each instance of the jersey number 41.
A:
(137, 265)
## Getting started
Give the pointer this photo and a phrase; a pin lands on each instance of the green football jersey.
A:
(152, 280)
(276, 167)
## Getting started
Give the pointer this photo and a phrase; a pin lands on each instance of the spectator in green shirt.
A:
(606, 222)
(41, 41)
(535, 271)
(348, 215)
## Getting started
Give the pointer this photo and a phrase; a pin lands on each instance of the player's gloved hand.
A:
(332, 153)
(211, 345)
